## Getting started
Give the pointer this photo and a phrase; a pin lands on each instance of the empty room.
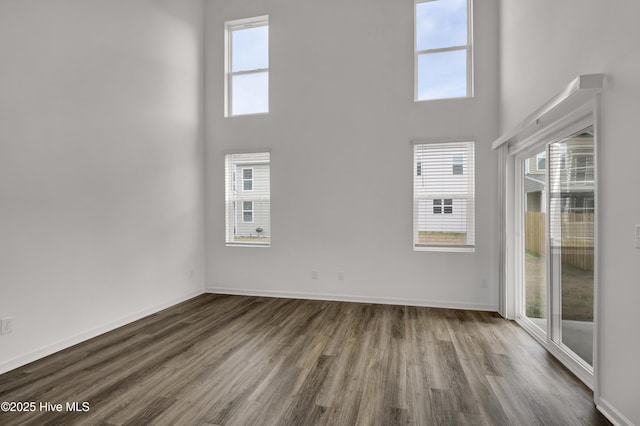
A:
(261, 212)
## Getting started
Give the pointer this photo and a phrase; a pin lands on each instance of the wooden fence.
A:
(577, 237)
(535, 235)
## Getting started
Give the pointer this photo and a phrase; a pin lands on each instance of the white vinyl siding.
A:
(444, 196)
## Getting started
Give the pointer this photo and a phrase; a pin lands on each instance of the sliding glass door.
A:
(572, 236)
(557, 245)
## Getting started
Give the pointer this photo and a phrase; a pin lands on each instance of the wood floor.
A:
(232, 360)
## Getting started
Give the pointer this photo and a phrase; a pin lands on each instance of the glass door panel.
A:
(535, 242)
(572, 210)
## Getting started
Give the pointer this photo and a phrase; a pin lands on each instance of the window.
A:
(437, 206)
(248, 201)
(583, 167)
(444, 197)
(247, 179)
(247, 211)
(247, 66)
(541, 160)
(439, 203)
(443, 55)
(458, 167)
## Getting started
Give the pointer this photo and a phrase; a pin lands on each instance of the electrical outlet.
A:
(484, 283)
(340, 276)
(6, 325)
(638, 236)
(314, 275)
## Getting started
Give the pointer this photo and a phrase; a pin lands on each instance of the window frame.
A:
(442, 205)
(235, 197)
(470, 196)
(437, 205)
(229, 27)
(244, 180)
(468, 47)
(582, 173)
(245, 211)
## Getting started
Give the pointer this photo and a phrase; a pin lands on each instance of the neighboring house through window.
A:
(444, 197)
(248, 201)
(247, 66)
(443, 54)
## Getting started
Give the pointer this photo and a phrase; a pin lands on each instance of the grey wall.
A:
(101, 172)
(341, 120)
(544, 45)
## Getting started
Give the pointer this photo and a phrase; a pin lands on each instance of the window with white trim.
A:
(443, 54)
(444, 197)
(248, 201)
(247, 179)
(443, 206)
(247, 211)
(247, 66)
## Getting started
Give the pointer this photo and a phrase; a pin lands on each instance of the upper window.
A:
(444, 197)
(443, 49)
(247, 66)
(248, 201)
(247, 179)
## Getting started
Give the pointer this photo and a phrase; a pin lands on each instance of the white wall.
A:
(544, 45)
(101, 167)
(340, 124)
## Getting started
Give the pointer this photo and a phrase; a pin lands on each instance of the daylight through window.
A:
(247, 66)
(443, 57)
(248, 201)
(444, 196)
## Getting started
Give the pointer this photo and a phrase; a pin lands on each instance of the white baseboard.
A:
(611, 413)
(66, 343)
(353, 298)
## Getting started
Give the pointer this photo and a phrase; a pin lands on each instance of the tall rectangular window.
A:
(247, 66)
(248, 211)
(444, 197)
(443, 55)
(247, 179)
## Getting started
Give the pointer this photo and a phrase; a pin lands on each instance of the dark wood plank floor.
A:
(232, 360)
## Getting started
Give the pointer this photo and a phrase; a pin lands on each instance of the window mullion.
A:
(442, 49)
(245, 72)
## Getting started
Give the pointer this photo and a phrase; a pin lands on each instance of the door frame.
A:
(579, 119)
